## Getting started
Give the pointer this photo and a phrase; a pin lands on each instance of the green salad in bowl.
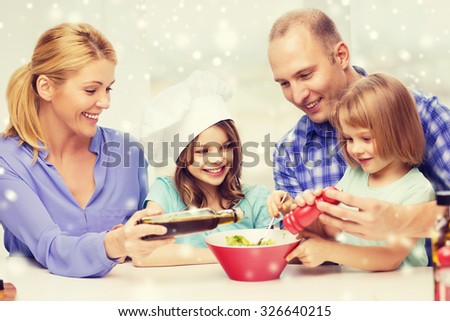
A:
(239, 240)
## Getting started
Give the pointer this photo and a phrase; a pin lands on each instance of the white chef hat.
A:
(180, 113)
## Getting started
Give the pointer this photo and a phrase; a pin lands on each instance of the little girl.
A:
(383, 141)
(208, 169)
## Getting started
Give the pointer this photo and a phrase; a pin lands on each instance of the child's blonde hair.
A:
(386, 107)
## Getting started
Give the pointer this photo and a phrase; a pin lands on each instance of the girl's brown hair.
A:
(230, 190)
(386, 107)
(59, 53)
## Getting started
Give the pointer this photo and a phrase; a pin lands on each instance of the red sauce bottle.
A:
(303, 216)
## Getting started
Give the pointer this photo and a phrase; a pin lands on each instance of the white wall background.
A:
(159, 42)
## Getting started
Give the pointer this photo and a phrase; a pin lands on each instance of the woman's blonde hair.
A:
(386, 107)
(59, 53)
(230, 190)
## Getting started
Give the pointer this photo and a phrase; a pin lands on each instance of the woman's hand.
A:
(122, 258)
(127, 240)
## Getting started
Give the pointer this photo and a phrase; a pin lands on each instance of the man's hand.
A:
(369, 219)
(374, 219)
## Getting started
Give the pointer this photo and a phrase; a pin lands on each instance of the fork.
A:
(272, 220)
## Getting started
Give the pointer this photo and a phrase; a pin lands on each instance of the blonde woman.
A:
(61, 194)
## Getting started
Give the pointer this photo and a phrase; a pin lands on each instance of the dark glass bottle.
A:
(192, 221)
(441, 248)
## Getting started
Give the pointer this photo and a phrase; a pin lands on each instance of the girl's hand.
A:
(306, 198)
(312, 251)
(274, 205)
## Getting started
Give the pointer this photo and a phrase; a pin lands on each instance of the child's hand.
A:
(306, 198)
(312, 251)
(274, 204)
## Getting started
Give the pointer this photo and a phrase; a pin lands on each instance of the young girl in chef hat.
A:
(192, 123)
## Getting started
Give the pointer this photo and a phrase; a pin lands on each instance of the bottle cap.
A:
(443, 197)
(237, 213)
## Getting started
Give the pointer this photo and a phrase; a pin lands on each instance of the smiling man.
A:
(311, 64)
